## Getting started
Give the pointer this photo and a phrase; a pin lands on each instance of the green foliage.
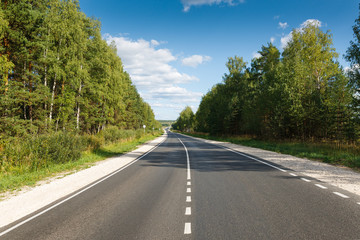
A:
(36, 152)
(186, 120)
(58, 73)
(303, 95)
(14, 176)
(113, 134)
(63, 89)
(353, 57)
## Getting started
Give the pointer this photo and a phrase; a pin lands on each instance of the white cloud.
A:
(195, 60)
(272, 39)
(287, 38)
(313, 22)
(150, 69)
(146, 64)
(283, 25)
(256, 55)
(154, 43)
(188, 3)
(167, 102)
(174, 92)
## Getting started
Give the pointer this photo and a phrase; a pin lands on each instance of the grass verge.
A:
(16, 179)
(335, 154)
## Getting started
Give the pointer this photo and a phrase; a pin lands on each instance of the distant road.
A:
(189, 189)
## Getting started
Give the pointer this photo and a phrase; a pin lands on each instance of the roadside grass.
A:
(21, 176)
(333, 153)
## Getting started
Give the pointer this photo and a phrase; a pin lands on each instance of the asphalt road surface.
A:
(189, 189)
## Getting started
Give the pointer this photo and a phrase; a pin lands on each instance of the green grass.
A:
(337, 154)
(20, 177)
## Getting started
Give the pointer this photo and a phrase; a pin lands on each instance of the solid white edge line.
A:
(187, 229)
(78, 193)
(245, 155)
(341, 195)
(305, 179)
(188, 198)
(188, 211)
(320, 186)
(187, 160)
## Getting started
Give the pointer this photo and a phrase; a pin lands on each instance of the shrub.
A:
(93, 142)
(113, 134)
(39, 151)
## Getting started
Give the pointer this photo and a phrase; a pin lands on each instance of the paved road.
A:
(188, 189)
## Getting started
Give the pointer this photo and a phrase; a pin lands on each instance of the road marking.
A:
(188, 183)
(188, 190)
(245, 155)
(320, 186)
(306, 180)
(188, 211)
(358, 203)
(187, 229)
(187, 160)
(293, 174)
(188, 198)
(78, 193)
(341, 195)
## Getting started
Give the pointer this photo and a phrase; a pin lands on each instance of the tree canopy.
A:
(302, 93)
(58, 73)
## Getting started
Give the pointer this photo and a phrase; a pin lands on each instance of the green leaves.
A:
(58, 73)
(186, 120)
(303, 95)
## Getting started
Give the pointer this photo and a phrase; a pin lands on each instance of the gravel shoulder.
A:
(341, 177)
(29, 200)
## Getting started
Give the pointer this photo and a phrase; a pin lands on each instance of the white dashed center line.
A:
(293, 174)
(305, 179)
(320, 186)
(341, 195)
(188, 211)
(187, 229)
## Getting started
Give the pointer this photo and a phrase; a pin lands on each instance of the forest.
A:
(61, 84)
(302, 93)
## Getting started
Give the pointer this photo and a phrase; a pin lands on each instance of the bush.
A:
(93, 142)
(113, 134)
(139, 133)
(39, 151)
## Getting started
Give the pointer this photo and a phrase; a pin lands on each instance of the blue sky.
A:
(176, 50)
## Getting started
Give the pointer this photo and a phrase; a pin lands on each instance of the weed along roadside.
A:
(27, 161)
(344, 155)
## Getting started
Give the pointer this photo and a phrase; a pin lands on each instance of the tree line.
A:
(57, 73)
(302, 93)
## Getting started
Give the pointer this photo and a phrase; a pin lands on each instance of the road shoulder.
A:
(341, 177)
(33, 199)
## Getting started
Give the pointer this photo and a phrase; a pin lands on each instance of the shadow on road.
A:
(204, 157)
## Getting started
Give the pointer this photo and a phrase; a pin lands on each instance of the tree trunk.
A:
(52, 100)
(24, 84)
(78, 105)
